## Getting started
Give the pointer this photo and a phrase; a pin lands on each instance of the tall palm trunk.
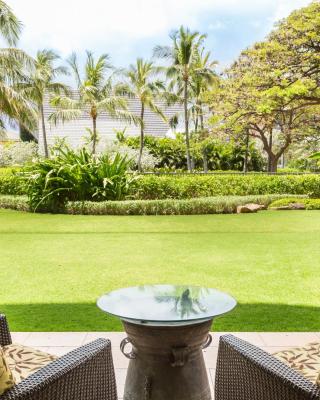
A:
(141, 137)
(201, 117)
(186, 121)
(94, 136)
(44, 133)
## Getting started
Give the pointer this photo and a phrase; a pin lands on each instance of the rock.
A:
(250, 208)
(290, 206)
(297, 206)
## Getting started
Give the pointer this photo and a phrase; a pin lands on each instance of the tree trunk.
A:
(270, 154)
(94, 136)
(44, 133)
(205, 161)
(141, 138)
(186, 121)
(245, 165)
(201, 117)
(273, 163)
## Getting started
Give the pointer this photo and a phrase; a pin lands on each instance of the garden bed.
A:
(208, 205)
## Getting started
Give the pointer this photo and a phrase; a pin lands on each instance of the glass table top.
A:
(166, 304)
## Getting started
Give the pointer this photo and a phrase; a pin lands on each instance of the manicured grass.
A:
(54, 267)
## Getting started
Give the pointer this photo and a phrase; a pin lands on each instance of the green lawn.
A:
(53, 267)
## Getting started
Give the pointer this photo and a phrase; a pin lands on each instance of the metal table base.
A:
(166, 362)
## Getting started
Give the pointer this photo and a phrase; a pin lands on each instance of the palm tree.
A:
(146, 89)
(97, 94)
(42, 82)
(13, 62)
(203, 77)
(183, 55)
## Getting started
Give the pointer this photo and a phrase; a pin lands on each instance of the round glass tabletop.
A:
(166, 304)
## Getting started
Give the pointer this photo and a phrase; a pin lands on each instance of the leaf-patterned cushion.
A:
(24, 361)
(6, 377)
(305, 360)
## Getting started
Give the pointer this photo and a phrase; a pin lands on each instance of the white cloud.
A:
(68, 25)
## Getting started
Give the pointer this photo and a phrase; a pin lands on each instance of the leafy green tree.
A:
(96, 94)
(184, 55)
(144, 87)
(41, 83)
(269, 92)
(13, 64)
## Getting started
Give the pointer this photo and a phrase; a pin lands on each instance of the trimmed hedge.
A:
(184, 187)
(211, 205)
(310, 204)
(19, 203)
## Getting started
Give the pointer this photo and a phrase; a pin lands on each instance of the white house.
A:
(74, 131)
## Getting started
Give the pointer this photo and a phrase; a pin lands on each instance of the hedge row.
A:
(19, 203)
(153, 187)
(10, 183)
(184, 187)
(209, 205)
(310, 204)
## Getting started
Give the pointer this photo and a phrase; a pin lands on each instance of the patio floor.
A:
(62, 342)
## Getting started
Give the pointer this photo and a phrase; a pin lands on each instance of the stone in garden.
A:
(250, 208)
(290, 206)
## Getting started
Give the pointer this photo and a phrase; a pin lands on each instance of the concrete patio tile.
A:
(60, 350)
(55, 339)
(20, 337)
(212, 374)
(251, 337)
(210, 356)
(115, 337)
(292, 339)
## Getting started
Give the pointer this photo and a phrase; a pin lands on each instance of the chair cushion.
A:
(24, 361)
(6, 377)
(305, 360)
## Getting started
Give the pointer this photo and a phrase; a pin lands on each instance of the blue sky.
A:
(127, 29)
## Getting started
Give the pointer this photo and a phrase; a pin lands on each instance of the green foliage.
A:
(191, 186)
(220, 155)
(209, 205)
(10, 182)
(76, 175)
(310, 204)
(19, 203)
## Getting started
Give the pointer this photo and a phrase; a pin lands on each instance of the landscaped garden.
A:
(239, 127)
(55, 266)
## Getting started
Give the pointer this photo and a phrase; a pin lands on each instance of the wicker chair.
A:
(86, 373)
(245, 372)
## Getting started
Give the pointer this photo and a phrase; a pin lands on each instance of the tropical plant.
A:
(96, 94)
(42, 82)
(13, 64)
(76, 175)
(144, 87)
(203, 77)
(184, 55)
(18, 153)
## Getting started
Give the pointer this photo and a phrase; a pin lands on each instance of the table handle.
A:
(123, 344)
(207, 342)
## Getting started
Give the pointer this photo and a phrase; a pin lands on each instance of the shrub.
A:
(76, 175)
(191, 186)
(210, 205)
(310, 204)
(148, 161)
(10, 182)
(171, 153)
(18, 153)
(19, 203)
